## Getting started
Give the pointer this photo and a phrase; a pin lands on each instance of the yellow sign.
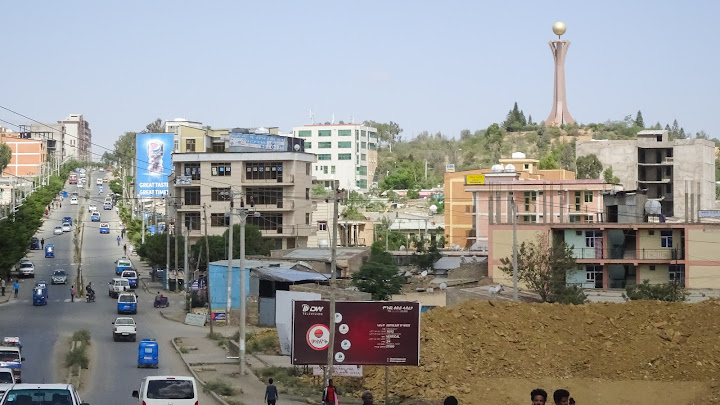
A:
(472, 179)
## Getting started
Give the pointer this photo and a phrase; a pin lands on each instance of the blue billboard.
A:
(153, 164)
(254, 141)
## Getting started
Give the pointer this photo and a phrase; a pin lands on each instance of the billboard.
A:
(367, 333)
(153, 164)
(450, 168)
(254, 141)
(474, 179)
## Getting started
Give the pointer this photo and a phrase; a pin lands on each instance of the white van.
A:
(178, 390)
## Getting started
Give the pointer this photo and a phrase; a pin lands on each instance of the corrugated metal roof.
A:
(447, 263)
(288, 275)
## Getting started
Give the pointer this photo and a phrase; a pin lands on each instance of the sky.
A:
(427, 65)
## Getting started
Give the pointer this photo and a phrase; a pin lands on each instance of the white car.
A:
(7, 379)
(124, 328)
(118, 286)
(80, 185)
(66, 227)
(157, 390)
(43, 394)
(74, 200)
(99, 182)
(58, 230)
(26, 269)
(92, 208)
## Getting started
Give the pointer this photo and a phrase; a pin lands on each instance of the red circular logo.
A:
(318, 337)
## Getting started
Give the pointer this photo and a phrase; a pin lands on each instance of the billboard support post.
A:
(387, 382)
(333, 277)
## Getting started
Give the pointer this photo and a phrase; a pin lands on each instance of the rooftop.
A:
(323, 254)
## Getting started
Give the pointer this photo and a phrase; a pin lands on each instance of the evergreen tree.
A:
(675, 131)
(530, 120)
(639, 120)
(657, 126)
(682, 135)
(515, 119)
(667, 128)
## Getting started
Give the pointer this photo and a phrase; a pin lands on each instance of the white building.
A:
(172, 125)
(77, 137)
(345, 152)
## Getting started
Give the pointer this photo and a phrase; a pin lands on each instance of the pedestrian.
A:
(367, 398)
(125, 249)
(131, 249)
(42, 243)
(538, 396)
(451, 400)
(118, 240)
(2, 286)
(330, 394)
(122, 233)
(72, 293)
(117, 210)
(561, 397)
(271, 393)
(16, 286)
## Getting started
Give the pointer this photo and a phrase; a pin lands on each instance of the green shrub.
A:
(220, 387)
(83, 335)
(670, 292)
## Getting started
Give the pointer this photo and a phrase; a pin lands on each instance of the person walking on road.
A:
(2, 286)
(330, 394)
(72, 293)
(16, 286)
(271, 393)
(42, 243)
(125, 249)
(122, 233)
(118, 240)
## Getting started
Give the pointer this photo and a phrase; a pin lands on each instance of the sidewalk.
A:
(209, 363)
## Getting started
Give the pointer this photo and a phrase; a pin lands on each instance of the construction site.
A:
(640, 352)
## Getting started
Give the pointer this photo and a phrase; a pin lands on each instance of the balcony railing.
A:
(283, 204)
(286, 178)
(616, 253)
(280, 230)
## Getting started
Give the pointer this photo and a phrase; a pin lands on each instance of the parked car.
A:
(34, 243)
(99, 182)
(58, 230)
(124, 328)
(74, 200)
(27, 269)
(59, 276)
(80, 184)
(107, 206)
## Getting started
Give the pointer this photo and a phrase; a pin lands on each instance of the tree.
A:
(5, 156)
(154, 127)
(387, 133)
(639, 120)
(515, 120)
(218, 250)
(609, 177)
(124, 149)
(542, 266)
(379, 276)
(670, 292)
(255, 244)
(115, 186)
(155, 248)
(548, 162)
(320, 191)
(424, 258)
(701, 135)
(530, 121)
(494, 140)
(588, 167)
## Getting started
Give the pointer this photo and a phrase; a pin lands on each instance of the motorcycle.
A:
(91, 296)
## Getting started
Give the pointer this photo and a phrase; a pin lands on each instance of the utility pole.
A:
(175, 239)
(243, 296)
(333, 278)
(387, 240)
(207, 271)
(167, 240)
(142, 231)
(230, 259)
(514, 247)
(154, 221)
(186, 265)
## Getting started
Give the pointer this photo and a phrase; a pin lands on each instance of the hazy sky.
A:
(437, 66)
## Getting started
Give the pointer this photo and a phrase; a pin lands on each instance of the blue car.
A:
(49, 250)
(105, 228)
(132, 278)
(127, 303)
(148, 353)
(122, 264)
(67, 219)
(107, 206)
(95, 217)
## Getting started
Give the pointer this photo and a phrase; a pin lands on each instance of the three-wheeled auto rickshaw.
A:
(148, 353)
(49, 250)
(40, 296)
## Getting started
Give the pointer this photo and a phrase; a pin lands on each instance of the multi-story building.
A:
(78, 137)
(267, 174)
(172, 125)
(345, 152)
(28, 155)
(468, 193)
(192, 139)
(668, 170)
(52, 134)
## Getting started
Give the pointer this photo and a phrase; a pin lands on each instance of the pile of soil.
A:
(640, 340)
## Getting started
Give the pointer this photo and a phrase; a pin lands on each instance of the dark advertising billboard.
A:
(366, 333)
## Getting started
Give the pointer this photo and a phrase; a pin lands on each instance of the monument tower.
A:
(559, 48)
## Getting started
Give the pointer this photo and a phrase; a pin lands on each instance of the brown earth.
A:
(465, 348)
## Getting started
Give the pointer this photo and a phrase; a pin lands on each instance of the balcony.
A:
(668, 161)
(283, 205)
(285, 180)
(183, 181)
(621, 254)
(287, 231)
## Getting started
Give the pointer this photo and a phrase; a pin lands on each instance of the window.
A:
(372, 134)
(192, 170)
(529, 197)
(219, 194)
(322, 225)
(268, 221)
(219, 220)
(526, 166)
(332, 169)
(363, 157)
(666, 238)
(677, 274)
(308, 168)
(344, 156)
(362, 183)
(372, 146)
(192, 221)
(528, 218)
(307, 193)
(176, 146)
(325, 169)
(189, 145)
(304, 134)
(363, 133)
(220, 169)
(345, 145)
(263, 170)
(264, 196)
(652, 267)
(324, 156)
(363, 145)
(308, 145)
(324, 132)
(345, 132)
(592, 237)
(192, 196)
(307, 218)
(218, 147)
(324, 145)
(361, 170)
(577, 201)
(588, 196)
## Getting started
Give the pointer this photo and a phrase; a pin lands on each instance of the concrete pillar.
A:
(544, 203)
(490, 209)
(552, 203)
(498, 211)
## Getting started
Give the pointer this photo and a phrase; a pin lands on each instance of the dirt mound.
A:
(638, 340)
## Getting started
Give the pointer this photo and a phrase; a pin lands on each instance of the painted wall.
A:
(578, 277)
(501, 246)
(577, 242)
(702, 276)
(219, 286)
(647, 241)
(660, 275)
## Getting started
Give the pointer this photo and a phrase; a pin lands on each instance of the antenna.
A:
(333, 119)
(312, 117)
(352, 119)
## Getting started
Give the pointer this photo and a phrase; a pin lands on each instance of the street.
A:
(114, 373)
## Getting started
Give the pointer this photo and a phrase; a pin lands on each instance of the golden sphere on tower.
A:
(559, 28)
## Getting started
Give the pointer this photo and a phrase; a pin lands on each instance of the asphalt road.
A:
(114, 373)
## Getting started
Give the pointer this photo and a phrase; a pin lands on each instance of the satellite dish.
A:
(296, 147)
(498, 168)
(433, 209)
(443, 286)
(653, 207)
(510, 168)
(518, 155)
(402, 247)
(323, 243)
(424, 273)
